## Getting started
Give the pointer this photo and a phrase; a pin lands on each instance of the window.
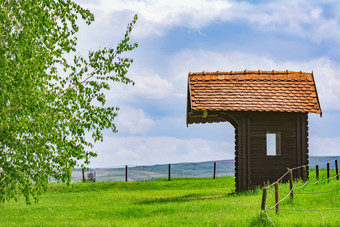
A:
(273, 143)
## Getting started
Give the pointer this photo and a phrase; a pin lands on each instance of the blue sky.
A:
(176, 37)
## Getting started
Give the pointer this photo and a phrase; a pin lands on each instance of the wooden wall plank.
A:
(298, 144)
(236, 160)
(240, 158)
(248, 150)
(244, 151)
(265, 167)
(304, 140)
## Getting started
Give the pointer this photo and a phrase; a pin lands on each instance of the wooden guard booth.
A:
(269, 111)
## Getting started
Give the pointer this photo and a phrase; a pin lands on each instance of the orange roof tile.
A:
(282, 91)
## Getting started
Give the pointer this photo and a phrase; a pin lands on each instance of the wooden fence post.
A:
(126, 173)
(264, 198)
(317, 172)
(327, 172)
(214, 170)
(336, 169)
(83, 173)
(291, 183)
(169, 172)
(276, 197)
(304, 172)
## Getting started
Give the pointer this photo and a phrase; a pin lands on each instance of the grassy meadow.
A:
(179, 202)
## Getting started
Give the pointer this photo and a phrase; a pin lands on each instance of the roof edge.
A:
(189, 102)
(243, 72)
(316, 92)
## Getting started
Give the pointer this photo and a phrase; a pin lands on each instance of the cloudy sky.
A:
(176, 37)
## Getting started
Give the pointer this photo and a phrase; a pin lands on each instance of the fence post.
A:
(126, 173)
(336, 169)
(95, 175)
(317, 171)
(327, 172)
(291, 183)
(169, 172)
(214, 170)
(304, 172)
(83, 173)
(276, 197)
(264, 198)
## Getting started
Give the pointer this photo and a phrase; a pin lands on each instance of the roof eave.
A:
(189, 102)
(317, 96)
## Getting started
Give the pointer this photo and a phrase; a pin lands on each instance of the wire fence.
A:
(179, 170)
(143, 173)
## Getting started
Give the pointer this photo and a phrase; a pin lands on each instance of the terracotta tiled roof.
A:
(281, 91)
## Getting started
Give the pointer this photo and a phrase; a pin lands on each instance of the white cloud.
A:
(303, 18)
(133, 120)
(135, 150)
(151, 85)
(158, 16)
(148, 85)
(324, 146)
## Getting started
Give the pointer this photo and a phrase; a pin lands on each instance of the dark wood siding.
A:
(253, 167)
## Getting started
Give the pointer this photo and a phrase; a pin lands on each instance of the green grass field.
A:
(179, 202)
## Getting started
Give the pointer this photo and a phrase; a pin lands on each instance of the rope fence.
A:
(277, 203)
(292, 188)
(319, 192)
(311, 209)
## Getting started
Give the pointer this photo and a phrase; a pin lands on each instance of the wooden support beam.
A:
(305, 172)
(291, 183)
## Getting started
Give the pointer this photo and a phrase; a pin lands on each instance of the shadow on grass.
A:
(188, 197)
(246, 192)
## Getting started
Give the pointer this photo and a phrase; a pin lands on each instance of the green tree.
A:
(48, 102)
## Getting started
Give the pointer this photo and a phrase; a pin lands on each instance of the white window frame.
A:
(277, 144)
